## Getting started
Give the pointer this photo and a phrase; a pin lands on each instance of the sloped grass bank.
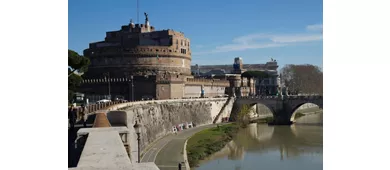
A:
(206, 142)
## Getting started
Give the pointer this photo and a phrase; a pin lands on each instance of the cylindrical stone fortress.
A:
(138, 49)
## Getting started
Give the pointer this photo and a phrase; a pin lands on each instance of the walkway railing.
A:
(284, 96)
(103, 106)
(99, 106)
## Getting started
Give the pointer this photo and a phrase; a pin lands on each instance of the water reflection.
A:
(280, 147)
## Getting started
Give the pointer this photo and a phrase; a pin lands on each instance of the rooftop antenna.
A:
(138, 11)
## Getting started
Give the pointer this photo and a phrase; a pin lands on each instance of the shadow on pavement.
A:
(73, 153)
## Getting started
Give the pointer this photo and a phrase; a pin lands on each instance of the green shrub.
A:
(243, 116)
(298, 115)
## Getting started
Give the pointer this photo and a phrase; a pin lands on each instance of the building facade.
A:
(271, 84)
(139, 62)
(253, 86)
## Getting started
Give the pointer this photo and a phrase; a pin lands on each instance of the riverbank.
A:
(209, 141)
(263, 120)
(172, 145)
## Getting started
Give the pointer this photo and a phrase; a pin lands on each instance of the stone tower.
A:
(238, 66)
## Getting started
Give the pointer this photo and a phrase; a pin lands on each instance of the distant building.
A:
(229, 68)
(261, 86)
(270, 85)
(238, 66)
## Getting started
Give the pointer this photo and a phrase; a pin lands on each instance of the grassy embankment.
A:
(209, 141)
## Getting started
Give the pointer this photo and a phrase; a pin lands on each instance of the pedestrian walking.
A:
(72, 115)
(84, 115)
(179, 166)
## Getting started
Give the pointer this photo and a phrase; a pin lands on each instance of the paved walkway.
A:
(167, 152)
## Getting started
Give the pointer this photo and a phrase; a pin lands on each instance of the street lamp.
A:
(128, 76)
(137, 128)
(107, 75)
(132, 88)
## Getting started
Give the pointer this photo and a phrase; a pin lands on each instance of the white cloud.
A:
(199, 46)
(249, 38)
(266, 40)
(315, 27)
(296, 38)
(246, 46)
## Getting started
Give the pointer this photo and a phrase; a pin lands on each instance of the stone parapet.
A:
(104, 149)
(207, 82)
(140, 103)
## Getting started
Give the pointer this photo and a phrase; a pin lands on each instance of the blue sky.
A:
(289, 31)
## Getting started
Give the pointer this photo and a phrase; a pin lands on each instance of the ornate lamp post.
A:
(137, 128)
(128, 76)
(107, 75)
(132, 88)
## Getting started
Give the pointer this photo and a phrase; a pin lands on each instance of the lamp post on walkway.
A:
(131, 78)
(107, 76)
(137, 128)
(132, 88)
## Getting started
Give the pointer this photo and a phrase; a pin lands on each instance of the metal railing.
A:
(312, 96)
(95, 107)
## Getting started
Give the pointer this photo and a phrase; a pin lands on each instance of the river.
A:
(259, 146)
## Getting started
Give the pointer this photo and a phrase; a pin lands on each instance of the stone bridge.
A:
(282, 107)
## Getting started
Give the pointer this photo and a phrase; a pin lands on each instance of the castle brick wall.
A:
(177, 91)
(163, 91)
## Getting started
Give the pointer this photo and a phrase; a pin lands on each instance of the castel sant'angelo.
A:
(139, 61)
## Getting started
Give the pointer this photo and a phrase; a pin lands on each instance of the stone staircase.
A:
(222, 110)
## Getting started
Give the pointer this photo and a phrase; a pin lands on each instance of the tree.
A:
(243, 118)
(77, 63)
(302, 78)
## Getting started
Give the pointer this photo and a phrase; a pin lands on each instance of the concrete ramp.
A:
(101, 121)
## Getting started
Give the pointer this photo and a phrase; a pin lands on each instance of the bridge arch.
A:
(282, 107)
(296, 107)
(259, 109)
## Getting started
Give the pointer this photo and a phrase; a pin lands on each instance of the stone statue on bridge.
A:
(280, 91)
(287, 92)
(146, 17)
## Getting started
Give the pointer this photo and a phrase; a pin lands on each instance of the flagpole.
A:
(137, 11)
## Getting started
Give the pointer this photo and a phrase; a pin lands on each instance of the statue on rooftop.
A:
(146, 17)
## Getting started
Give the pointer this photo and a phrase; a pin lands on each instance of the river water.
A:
(259, 146)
